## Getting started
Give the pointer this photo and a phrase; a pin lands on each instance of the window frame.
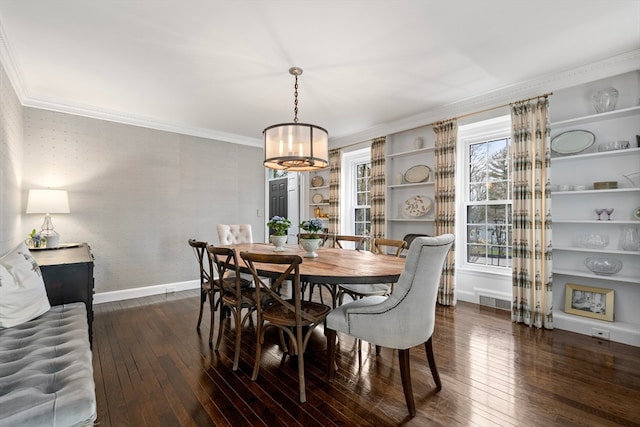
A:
(479, 132)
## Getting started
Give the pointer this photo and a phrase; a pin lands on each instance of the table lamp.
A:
(48, 202)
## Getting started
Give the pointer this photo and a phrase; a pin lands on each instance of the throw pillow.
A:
(22, 293)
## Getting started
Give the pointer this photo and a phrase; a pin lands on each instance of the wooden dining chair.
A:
(207, 288)
(236, 294)
(402, 320)
(379, 246)
(325, 237)
(294, 317)
(341, 240)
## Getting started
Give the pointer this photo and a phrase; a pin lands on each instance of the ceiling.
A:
(220, 68)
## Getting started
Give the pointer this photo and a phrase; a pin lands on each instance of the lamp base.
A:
(53, 238)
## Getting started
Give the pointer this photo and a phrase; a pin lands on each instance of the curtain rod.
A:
(545, 95)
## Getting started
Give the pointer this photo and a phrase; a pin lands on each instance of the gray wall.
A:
(136, 194)
(11, 134)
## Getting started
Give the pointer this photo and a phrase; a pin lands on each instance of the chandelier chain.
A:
(295, 102)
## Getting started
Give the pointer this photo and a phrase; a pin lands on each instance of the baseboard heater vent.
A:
(495, 303)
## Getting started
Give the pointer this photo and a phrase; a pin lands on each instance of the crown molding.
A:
(619, 64)
(134, 120)
(10, 66)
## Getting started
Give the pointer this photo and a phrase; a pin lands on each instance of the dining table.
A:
(332, 266)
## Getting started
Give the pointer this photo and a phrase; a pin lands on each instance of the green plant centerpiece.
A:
(36, 240)
(279, 225)
(311, 241)
(312, 227)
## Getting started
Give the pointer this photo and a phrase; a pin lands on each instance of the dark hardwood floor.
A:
(152, 368)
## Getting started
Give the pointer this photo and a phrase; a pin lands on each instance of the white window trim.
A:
(347, 191)
(485, 130)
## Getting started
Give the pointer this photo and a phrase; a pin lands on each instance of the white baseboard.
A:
(146, 291)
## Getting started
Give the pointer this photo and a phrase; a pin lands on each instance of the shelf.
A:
(417, 184)
(598, 155)
(624, 332)
(318, 204)
(579, 273)
(624, 112)
(410, 220)
(608, 191)
(597, 251)
(322, 187)
(411, 153)
(593, 221)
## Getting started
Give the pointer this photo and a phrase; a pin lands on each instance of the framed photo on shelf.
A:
(588, 301)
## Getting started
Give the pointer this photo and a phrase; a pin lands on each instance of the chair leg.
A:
(220, 326)
(331, 354)
(238, 320)
(259, 341)
(300, 351)
(212, 307)
(405, 373)
(203, 297)
(428, 345)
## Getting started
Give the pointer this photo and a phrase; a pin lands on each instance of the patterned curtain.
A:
(334, 191)
(445, 194)
(531, 160)
(378, 187)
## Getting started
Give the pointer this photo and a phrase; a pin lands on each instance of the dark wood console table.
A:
(67, 272)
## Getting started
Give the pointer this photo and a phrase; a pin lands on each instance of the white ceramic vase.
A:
(311, 246)
(278, 242)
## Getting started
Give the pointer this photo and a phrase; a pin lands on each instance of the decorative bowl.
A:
(605, 100)
(593, 241)
(613, 145)
(603, 266)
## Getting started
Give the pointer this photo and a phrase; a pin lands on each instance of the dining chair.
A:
(411, 236)
(341, 240)
(379, 246)
(207, 289)
(294, 317)
(312, 286)
(402, 320)
(236, 294)
(231, 234)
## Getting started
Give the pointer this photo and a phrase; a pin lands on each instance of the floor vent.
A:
(495, 303)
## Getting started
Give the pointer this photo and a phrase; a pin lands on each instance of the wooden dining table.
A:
(332, 266)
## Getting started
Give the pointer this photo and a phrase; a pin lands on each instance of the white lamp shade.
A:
(296, 147)
(48, 201)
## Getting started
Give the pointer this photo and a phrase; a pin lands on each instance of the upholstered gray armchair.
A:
(401, 320)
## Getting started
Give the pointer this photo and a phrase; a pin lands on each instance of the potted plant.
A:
(311, 241)
(279, 225)
(36, 240)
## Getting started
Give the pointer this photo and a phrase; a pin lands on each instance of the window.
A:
(487, 198)
(356, 193)
(362, 209)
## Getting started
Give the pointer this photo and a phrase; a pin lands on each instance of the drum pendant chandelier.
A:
(296, 147)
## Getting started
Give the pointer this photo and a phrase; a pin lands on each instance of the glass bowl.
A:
(605, 100)
(603, 266)
(593, 241)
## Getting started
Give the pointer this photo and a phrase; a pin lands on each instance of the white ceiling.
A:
(221, 67)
